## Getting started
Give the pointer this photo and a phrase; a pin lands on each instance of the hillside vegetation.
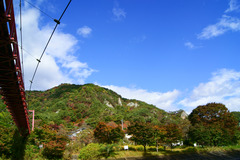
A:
(86, 121)
(72, 105)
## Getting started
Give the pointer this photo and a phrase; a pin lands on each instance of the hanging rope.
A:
(21, 40)
(39, 60)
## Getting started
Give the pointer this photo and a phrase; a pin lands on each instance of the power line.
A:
(39, 60)
(39, 9)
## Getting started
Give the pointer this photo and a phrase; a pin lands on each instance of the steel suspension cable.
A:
(21, 40)
(25, 51)
(39, 60)
(39, 9)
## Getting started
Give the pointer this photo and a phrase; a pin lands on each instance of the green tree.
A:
(117, 134)
(142, 133)
(200, 134)
(237, 116)
(213, 125)
(7, 130)
(6, 141)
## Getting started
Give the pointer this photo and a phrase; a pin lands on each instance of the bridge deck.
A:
(11, 81)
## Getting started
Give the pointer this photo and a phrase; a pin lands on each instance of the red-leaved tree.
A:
(108, 134)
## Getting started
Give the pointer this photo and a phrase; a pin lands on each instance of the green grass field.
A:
(188, 152)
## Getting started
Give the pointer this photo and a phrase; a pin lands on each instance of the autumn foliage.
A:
(108, 133)
(213, 125)
(173, 134)
(54, 148)
(53, 142)
(142, 133)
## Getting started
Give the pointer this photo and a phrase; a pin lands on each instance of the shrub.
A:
(91, 151)
(131, 148)
(95, 151)
(139, 148)
(152, 148)
(108, 150)
(31, 151)
(135, 148)
(54, 149)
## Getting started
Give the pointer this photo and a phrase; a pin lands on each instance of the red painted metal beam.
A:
(11, 78)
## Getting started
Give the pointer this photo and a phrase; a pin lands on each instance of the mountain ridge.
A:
(90, 103)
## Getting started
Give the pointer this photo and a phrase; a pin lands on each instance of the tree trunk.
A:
(144, 148)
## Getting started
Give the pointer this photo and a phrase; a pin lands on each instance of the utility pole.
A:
(122, 124)
(32, 118)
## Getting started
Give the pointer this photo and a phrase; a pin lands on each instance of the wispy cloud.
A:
(59, 64)
(118, 13)
(189, 45)
(164, 101)
(226, 23)
(233, 6)
(84, 31)
(223, 87)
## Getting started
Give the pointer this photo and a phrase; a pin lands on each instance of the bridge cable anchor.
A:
(57, 21)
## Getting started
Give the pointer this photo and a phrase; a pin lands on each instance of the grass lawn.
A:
(195, 151)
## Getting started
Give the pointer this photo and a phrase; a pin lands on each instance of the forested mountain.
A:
(73, 105)
(85, 114)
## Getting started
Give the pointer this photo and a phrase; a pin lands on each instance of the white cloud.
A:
(223, 87)
(59, 64)
(226, 23)
(212, 31)
(119, 14)
(189, 45)
(233, 6)
(164, 101)
(84, 31)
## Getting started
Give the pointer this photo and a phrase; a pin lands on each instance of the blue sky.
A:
(173, 54)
